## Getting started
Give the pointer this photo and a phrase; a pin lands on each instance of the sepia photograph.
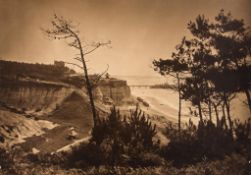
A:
(125, 87)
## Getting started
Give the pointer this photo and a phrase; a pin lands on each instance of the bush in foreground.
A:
(234, 164)
(128, 142)
(120, 141)
(206, 141)
(7, 163)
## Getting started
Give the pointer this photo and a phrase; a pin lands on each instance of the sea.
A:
(165, 101)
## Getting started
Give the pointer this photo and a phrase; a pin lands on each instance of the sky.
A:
(140, 30)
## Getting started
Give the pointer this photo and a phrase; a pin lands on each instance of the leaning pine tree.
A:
(64, 29)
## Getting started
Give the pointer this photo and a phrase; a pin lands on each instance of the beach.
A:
(164, 102)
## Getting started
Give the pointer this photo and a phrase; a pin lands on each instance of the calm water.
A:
(166, 101)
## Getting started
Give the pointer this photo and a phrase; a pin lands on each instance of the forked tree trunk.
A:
(199, 103)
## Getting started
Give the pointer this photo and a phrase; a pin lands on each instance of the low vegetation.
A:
(7, 163)
(127, 145)
(206, 141)
(120, 141)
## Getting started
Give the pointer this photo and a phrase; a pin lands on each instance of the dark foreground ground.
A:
(231, 165)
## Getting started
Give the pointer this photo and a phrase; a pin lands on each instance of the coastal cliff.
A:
(32, 96)
(40, 87)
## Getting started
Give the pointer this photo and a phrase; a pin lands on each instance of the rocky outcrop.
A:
(114, 91)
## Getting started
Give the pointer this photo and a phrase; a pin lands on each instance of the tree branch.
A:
(78, 59)
(97, 46)
(99, 76)
(74, 65)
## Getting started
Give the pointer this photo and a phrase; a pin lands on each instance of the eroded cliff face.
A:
(33, 97)
(60, 106)
(39, 98)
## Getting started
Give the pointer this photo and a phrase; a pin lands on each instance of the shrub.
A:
(85, 155)
(48, 158)
(146, 160)
(242, 130)
(194, 143)
(119, 141)
(7, 164)
(243, 142)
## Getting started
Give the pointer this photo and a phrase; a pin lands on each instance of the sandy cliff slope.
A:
(15, 128)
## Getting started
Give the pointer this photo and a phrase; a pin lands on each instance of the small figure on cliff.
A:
(107, 75)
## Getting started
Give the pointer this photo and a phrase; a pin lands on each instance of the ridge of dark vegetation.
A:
(164, 86)
(12, 72)
(17, 70)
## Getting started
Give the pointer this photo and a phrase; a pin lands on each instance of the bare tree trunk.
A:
(248, 99)
(210, 110)
(200, 111)
(227, 105)
(88, 84)
(216, 114)
(229, 116)
(179, 112)
(224, 115)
